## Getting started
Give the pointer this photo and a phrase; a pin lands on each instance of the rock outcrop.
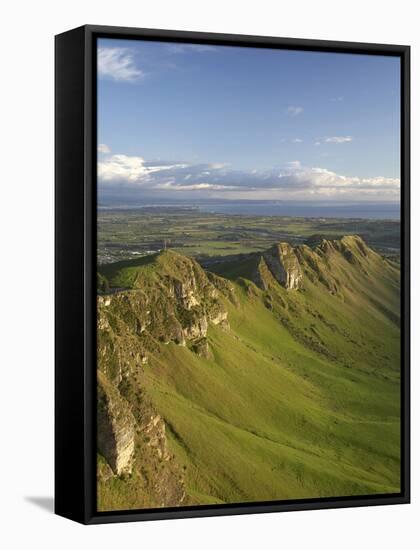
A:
(116, 425)
(283, 264)
(224, 286)
(155, 430)
(133, 446)
(201, 347)
(173, 300)
(289, 266)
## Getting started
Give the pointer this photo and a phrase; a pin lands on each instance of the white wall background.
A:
(26, 253)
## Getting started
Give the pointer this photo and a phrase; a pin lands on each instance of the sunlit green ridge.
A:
(265, 389)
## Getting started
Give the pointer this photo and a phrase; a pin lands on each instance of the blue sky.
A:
(199, 121)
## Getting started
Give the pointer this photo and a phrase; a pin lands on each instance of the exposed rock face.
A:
(218, 316)
(291, 266)
(133, 440)
(201, 347)
(174, 302)
(262, 275)
(185, 292)
(196, 327)
(283, 264)
(156, 430)
(224, 286)
(115, 427)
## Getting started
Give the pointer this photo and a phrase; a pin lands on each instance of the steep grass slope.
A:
(278, 378)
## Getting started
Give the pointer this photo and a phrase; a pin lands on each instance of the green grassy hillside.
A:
(297, 393)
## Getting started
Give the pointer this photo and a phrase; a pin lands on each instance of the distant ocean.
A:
(367, 210)
(375, 211)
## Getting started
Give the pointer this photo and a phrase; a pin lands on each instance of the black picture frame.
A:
(75, 268)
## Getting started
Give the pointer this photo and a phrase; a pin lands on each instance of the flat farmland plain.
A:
(128, 233)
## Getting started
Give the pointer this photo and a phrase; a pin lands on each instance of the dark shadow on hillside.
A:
(46, 503)
(134, 262)
(233, 266)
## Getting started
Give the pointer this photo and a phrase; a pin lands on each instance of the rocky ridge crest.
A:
(288, 265)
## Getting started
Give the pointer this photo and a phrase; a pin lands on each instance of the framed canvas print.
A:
(232, 274)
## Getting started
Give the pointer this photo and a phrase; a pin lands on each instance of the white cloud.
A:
(172, 186)
(103, 148)
(118, 64)
(133, 170)
(297, 140)
(122, 168)
(338, 139)
(294, 110)
(292, 181)
(317, 143)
